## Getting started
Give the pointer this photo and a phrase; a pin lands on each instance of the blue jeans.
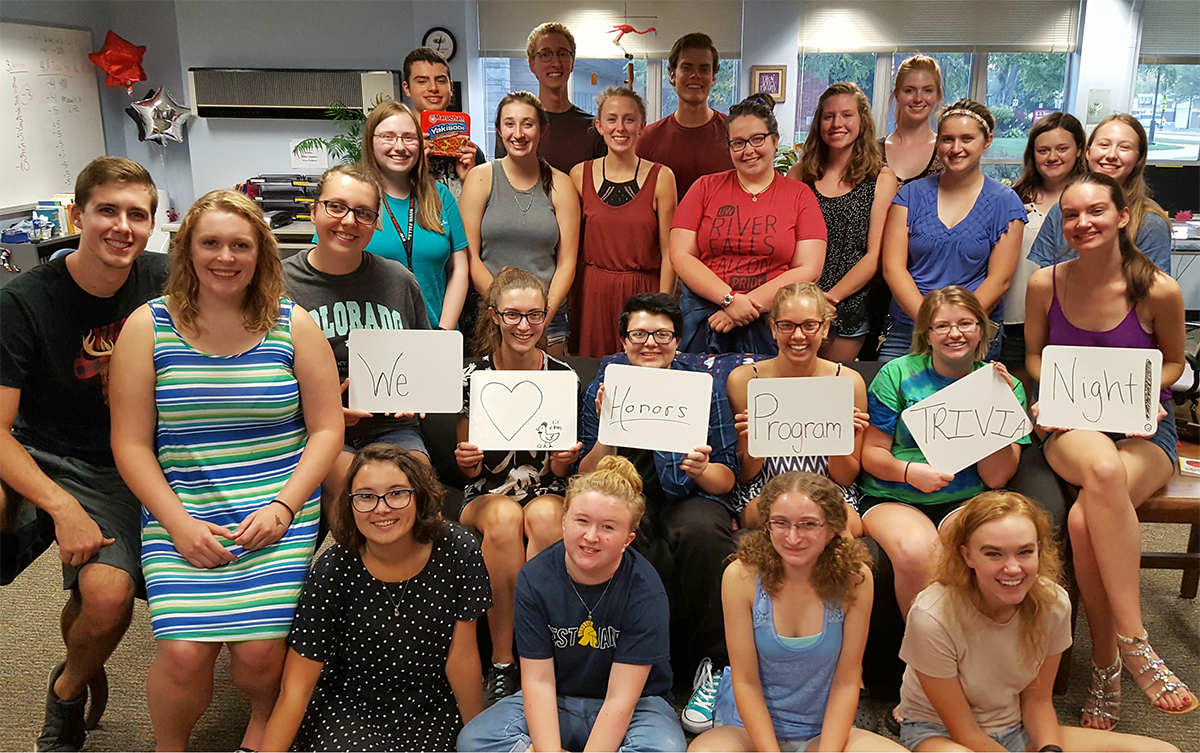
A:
(898, 341)
(754, 337)
(914, 732)
(653, 727)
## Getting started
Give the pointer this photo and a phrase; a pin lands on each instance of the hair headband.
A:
(967, 113)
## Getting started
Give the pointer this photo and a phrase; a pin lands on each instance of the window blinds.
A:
(504, 25)
(965, 25)
(1170, 34)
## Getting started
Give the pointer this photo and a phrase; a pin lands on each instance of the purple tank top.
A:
(1127, 334)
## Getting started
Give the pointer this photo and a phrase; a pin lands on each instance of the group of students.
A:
(194, 460)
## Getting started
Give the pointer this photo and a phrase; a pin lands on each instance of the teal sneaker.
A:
(697, 716)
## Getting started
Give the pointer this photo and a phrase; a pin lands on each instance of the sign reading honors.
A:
(960, 425)
(809, 416)
(397, 370)
(524, 410)
(1104, 389)
(655, 409)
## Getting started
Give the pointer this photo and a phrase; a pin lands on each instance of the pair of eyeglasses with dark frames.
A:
(755, 141)
(810, 327)
(639, 336)
(515, 317)
(396, 499)
(338, 210)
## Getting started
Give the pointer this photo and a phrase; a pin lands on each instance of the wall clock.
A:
(442, 40)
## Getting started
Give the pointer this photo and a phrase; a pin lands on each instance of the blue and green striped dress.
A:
(230, 433)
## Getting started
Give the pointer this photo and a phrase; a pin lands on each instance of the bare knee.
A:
(910, 556)
(543, 518)
(256, 664)
(186, 661)
(106, 597)
(503, 523)
(1105, 474)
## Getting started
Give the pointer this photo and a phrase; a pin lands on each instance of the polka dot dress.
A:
(384, 684)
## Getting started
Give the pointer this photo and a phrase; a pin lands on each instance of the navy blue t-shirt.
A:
(630, 623)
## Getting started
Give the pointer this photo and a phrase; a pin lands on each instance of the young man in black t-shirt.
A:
(61, 320)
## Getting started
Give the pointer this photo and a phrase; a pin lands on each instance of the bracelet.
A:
(287, 507)
(906, 465)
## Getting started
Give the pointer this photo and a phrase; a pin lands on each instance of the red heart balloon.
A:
(121, 61)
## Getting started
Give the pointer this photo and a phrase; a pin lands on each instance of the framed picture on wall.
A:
(769, 79)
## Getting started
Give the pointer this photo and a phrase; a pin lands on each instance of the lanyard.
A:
(406, 240)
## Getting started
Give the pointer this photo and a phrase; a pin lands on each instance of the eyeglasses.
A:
(397, 499)
(810, 327)
(408, 139)
(781, 527)
(515, 317)
(965, 327)
(639, 336)
(755, 141)
(338, 210)
(546, 55)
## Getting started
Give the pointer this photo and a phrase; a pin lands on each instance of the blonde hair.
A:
(620, 91)
(616, 477)
(260, 306)
(838, 569)
(912, 65)
(1137, 193)
(865, 158)
(808, 290)
(951, 295)
(952, 571)
(548, 28)
(487, 332)
(420, 179)
(356, 171)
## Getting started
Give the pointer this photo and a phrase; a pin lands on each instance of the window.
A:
(818, 71)
(956, 76)
(1021, 88)
(501, 76)
(1167, 102)
(722, 97)
(608, 73)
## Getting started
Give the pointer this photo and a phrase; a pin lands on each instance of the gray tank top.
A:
(519, 229)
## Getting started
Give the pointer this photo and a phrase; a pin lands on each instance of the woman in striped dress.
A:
(226, 415)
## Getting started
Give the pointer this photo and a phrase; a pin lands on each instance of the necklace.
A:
(587, 630)
(754, 195)
(524, 209)
(395, 602)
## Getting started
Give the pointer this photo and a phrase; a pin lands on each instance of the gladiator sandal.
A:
(1154, 667)
(1103, 702)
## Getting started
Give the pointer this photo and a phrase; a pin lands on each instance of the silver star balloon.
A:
(161, 117)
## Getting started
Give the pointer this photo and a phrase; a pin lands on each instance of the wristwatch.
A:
(728, 299)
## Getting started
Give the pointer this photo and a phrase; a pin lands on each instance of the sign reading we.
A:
(405, 370)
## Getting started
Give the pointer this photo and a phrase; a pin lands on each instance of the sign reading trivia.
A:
(809, 416)
(655, 409)
(960, 425)
(1105, 389)
(524, 410)
(398, 370)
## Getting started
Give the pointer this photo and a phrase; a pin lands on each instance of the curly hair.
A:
(1137, 193)
(420, 177)
(838, 569)
(260, 306)
(951, 295)
(427, 496)
(541, 30)
(952, 571)
(866, 159)
(1031, 183)
(487, 332)
(616, 477)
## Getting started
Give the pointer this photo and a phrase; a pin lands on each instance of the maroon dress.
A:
(622, 257)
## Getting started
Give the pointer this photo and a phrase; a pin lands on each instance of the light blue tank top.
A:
(795, 681)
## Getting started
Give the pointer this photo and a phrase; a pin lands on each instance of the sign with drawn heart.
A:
(524, 410)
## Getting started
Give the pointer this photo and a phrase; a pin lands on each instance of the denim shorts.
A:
(914, 732)
(405, 437)
(1166, 437)
(559, 327)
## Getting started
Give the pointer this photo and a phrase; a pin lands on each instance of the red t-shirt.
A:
(746, 242)
(689, 152)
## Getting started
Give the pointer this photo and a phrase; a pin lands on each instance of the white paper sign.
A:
(960, 425)
(315, 158)
(1105, 389)
(810, 416)
(524, 410)
(405, 370)
(655, 409)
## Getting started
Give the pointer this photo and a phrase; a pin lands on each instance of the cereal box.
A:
(446, 132)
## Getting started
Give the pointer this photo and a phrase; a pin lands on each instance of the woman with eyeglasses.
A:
(797, 604)
(225, 419)
(740, 235)
(800, 318)
(514, 498)
(383, 653)
(959, 227)
(521, 212)
(419, 223)
(346, 288)
(906, 499)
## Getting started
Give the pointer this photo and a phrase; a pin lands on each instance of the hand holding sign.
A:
(961, 424)
(405, 371)
(524, 410)
(655, 409)
(1103, 389)
(796, 417)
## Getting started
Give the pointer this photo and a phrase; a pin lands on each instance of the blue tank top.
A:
(795, 681)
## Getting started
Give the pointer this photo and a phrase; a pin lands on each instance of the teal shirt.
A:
(431, 251)
(902, 383)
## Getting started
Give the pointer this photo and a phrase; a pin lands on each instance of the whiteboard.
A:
(50, 126)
